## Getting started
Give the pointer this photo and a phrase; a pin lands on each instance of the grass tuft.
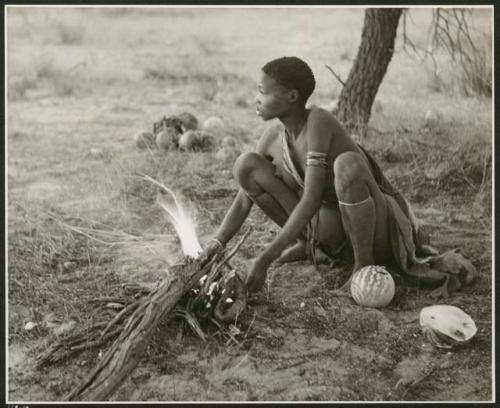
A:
(47, 77)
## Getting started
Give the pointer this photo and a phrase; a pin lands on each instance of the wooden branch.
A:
(120, 315)
(71, 345)
(337, 77)
(216, 270)
(128, 348)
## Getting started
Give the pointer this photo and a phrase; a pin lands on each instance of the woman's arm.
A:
(308, 205)
(234, 218)
(242, 204)
(319, 136)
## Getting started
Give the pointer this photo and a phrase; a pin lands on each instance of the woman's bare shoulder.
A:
(318, 114)
(325, 120)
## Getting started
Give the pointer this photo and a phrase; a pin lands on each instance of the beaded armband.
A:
(317, 159)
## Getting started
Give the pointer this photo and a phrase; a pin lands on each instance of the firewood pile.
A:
(192, 290)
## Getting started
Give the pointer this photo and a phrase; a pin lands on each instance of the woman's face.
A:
(272, 99)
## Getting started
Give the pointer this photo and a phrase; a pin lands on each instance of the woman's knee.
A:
(245, 165)
(349, 169)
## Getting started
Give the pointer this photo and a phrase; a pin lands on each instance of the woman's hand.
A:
(257, 273)
(211, 248)
(233, 302)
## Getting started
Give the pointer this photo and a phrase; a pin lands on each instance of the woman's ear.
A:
(293, 95)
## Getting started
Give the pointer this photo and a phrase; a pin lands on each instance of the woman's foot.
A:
(300, 252)
(344, 290)
(320, 257)
(297, 252)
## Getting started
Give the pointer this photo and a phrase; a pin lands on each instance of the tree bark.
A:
(127, 350)
(374, 54)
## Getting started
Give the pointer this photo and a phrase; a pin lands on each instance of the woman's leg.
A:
(257, 176)
(363, 208)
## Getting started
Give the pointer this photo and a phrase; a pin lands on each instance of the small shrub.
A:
(241, 102)
(437, 83)
(475, 161)
(70, 34)
(66, 85)
(19, 85)
(482, 201)
(157, 73)
(470, 76)
(468, 47)
(475, 73)
(41, 69)
(44, 74)
(46, 69)
(59, 81)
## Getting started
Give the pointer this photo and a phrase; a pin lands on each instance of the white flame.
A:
(183, 224)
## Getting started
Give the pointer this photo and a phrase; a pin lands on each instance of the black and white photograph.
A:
(260, 203)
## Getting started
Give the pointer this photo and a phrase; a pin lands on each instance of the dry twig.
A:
(337, 77)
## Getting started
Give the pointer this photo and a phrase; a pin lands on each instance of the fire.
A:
(182, 222)
(185, 229)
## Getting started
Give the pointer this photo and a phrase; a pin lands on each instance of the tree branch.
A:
(337, 77)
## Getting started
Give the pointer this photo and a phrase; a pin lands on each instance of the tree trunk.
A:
(127, 350)
(374, 54)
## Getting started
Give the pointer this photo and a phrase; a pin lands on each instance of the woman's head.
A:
(284, 81)
(292, 73)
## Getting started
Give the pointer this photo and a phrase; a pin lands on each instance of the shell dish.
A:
(447, 326)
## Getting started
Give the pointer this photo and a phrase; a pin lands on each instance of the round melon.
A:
(144, 140)
(167, 139)
(188, 140)
(226, 154)
(214, 124)
(96, 153)
(372, 286)
(229, 141)
(189, 121)
(205, 142)
(432, 117)
(223, 154)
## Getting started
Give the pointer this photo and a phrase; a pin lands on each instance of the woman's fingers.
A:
(208, 252)
(231, 313)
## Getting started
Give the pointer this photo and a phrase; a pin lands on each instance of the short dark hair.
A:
(292, 73)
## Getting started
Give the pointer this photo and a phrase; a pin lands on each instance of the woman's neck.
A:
(295, 121)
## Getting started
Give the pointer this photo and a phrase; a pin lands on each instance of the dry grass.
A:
(45, 261)
(470, 77)
(44, 76)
